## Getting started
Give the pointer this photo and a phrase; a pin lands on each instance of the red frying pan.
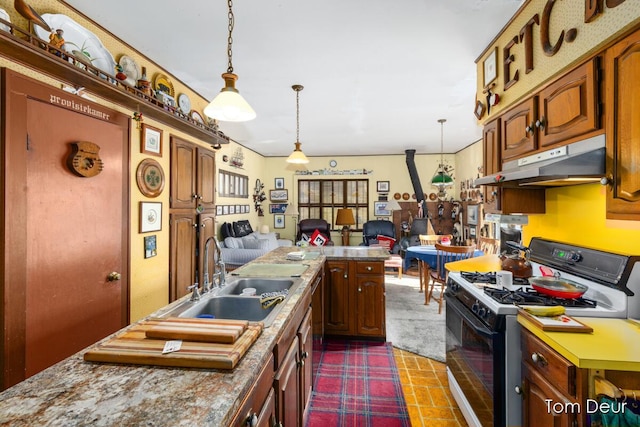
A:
(557, 287)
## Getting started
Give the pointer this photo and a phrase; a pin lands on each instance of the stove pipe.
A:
(413, 173)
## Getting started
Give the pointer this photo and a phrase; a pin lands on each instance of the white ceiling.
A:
(378, 74)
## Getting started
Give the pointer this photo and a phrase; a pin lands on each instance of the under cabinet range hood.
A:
(577, 163)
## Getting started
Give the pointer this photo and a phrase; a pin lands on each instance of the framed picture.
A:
(380, 209)
(472, 214)
(225, 209)
(279, 183)
(150, 216)
(278, 221)
(218, 209)
(150, 248)
(277, 208)
(232, 209)
(382, 186)
(151, 140)
(490, 71)
(479, 111)
(278, 195)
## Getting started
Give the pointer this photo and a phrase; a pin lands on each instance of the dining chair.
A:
(432, 239)
(488, 246)
(445, 254)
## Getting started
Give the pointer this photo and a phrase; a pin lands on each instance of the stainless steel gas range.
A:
(483, 336)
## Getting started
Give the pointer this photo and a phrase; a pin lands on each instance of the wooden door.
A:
(287, 386)
(568, 108)
(492, 163)
(65, 234)
(537, 392)
(182, 241)
(305, 340)
(337, 301)
(205, 181)
(207, 230)
(518, 136)
(622, 71)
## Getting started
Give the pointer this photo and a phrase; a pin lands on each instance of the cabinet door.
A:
(492, 163)
(183, 254)
(370, 305)
(518, 130)
(337, 303)
(267, 416)
(183, 174)
(622, 70)
(537, 391)
(287, 387)
(305, 339)
(206, 230)
(569, 107)
(205, 182)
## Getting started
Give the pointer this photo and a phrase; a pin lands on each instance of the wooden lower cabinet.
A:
(554, 390)
(355, 298)
(258, 408)
(287, 384)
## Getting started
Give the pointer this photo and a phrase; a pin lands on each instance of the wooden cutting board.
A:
(203, 330)
(133, 347)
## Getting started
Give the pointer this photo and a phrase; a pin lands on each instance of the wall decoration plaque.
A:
(150, 178)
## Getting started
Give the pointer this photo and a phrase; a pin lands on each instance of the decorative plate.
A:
(79, 39)
(197, 117)
(397, 196)
(184, 103)
(4, 15)
(333, 163)
(405, 196)
(413, 196)
(433, 196)
(163, 84)
(150, 178)
(131, 70)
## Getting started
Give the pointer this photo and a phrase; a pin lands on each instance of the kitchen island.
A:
(75, 392)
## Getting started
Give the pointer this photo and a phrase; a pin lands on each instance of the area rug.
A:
(411, 325)
(357, 385)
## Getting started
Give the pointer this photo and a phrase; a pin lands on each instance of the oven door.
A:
(475, 355)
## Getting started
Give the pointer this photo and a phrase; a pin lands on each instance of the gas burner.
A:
(477, 277)
(529, 296)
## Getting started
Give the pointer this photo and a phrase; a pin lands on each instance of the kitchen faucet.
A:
(219, 265)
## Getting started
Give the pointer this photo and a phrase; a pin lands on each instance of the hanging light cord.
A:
(442, 143)
(230, 38)
(297, 115)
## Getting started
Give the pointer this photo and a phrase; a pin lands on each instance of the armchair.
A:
(309, 226)
(374, 228)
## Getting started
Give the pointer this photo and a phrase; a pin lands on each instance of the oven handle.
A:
(479, 327)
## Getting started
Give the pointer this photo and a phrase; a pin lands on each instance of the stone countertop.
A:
(357, 253)
(74, 392)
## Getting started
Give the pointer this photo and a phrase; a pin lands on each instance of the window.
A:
(322, 198)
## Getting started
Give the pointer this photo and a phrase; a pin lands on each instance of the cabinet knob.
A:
(114, 276)
(518, 390)
(359, 288)
(345, 276)
(304, 354)
(539, 359)
(252, 420)
(606, 180)
(301, 363)
(540, 123)
(369, 268)
(529, 129)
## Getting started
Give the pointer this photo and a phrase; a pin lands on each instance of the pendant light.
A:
(229, 105)
(442, 179)
(297, 156)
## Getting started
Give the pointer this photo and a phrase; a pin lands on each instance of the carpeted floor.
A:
(411, 325)
(357, 385)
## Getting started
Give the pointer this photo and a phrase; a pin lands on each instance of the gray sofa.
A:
(240, 244)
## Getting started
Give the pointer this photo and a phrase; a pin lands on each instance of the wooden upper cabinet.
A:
(518, 136)
(492, 163)
(192, 176)
(622, 74)
(569, 107)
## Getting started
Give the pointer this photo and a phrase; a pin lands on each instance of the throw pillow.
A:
(233, 243)
(317, 239)
(248, 240)
(256, 244)
(386, 241)
(242, 228)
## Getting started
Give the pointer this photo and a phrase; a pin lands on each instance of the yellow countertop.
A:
(614, 343)
(481, 264)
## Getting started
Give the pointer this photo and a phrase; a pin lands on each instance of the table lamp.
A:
(345, 218)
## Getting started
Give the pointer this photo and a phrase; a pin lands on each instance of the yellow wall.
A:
(567, 14)
(577, 215)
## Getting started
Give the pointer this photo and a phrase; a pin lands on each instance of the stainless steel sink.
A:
(227, 303)
(261, 285)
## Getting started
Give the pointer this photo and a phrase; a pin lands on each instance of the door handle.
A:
(113, 276)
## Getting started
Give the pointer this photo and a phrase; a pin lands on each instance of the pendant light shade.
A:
(229, 105)
(441, 178)
(297, 157)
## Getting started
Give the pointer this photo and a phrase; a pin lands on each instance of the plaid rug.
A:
(357, 385)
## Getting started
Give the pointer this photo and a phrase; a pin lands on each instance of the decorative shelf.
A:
(35, 53)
